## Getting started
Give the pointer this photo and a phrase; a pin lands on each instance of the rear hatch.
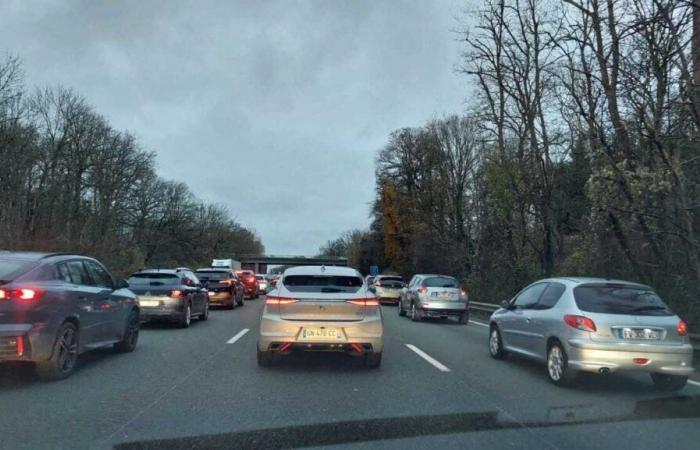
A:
(322, 298)
(624, 313)
(147, 284)
(215, 281)
(441, 289)
(389, 284)
(14, 297)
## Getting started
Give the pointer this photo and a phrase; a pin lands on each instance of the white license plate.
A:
(641, 333)
(321, 334)
(149, 302)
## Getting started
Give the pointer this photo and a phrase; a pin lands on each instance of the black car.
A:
(174, 295)
(55, 306)
(223, 287)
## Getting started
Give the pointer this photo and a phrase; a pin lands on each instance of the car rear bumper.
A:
(444, 309)
(596, 357)
(221, 298)
(36, 341)
(172, 311)
(273, 331)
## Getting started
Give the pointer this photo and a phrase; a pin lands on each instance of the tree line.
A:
(70, 182)
(578, 155)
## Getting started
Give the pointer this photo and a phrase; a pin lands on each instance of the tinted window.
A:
(529, 296)
(393, 282)
(154, 279)
(441, 282)
(46, 272)
(322, 283)
(77, 273)
(214, 276)
(551, 295)
(620, 299)
(12, 268)
(190, 279)
(63, 272)
(99, 275)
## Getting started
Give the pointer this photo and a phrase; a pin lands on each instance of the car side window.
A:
(193, 279)
(62, 272)
(551, 296)
(45, 273)
(99, 275)
(529, 297)
(77, 273)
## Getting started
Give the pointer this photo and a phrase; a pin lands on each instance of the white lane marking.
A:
(238, 336)
(694, 383)
(441, 367)
(479, 323)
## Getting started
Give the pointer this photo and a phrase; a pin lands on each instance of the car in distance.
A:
(55, 306)
(252, 287)
(321, 309)
(594, 325)
(222, 285)
(262, 282)
(171, 295)
(434, 296)
(387, 288)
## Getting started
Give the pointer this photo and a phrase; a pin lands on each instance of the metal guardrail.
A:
(490, 307)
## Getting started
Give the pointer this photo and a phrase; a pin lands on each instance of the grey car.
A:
(438, 296)
(55, 306)
(387, 288)
(594, 325)
(174, 295)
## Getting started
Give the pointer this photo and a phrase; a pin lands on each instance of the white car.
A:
(321, 309)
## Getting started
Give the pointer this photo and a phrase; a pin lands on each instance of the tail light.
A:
(176, 294)
(284, 347)
(463, 292)
(582, 323)
(378, 283)
(682, 328)
(226, 282)
(280, 300)
(250, 280)
(357, 348)
(364, 301)
(640, 361)
(423, 290)
(20, 294)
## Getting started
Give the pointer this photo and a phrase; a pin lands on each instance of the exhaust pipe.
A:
(604, 370)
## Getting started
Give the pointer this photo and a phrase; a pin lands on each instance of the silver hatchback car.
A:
(594, 325)
(321, 309)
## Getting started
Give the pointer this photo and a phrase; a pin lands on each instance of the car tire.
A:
(558, 368)
(204, 315)
(265, 359)
(402, 312)
(186, 318)
(131, 334)
(668, 383)
(373, 360)
(63, 357)
(463, 318)
(416, 315)
(496, 343)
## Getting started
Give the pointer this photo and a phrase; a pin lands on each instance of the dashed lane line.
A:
(437, 364)
(238, 336)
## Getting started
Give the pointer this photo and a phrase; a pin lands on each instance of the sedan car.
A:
(434, 296)
(387, 288)
(252, 287)
(55, 306)
(170, 294)
(594, 325)
(223, 286)
(321, 309)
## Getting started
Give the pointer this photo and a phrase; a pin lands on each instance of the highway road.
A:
(438, 386)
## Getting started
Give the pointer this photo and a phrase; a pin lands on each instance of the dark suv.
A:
(55, 306)
(223, 287)
(170, 294)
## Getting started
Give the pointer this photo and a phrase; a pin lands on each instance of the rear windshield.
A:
(153, 279)
(620, 299)
(391, 281)
(260, 277)
(441, 282)
(12, 268)
(215, 276)
(322, 283)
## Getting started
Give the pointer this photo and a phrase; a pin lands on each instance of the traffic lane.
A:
(108, 388)
(242, 400)
(520, 386)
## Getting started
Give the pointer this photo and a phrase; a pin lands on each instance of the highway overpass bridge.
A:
(259, 263)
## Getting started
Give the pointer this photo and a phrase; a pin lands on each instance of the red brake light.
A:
(423, 290)
(20, 345)
(280, 300)
(176, 294)
(21, 294)
(364, 301)
(682, 328)
(640, 361)
(580, 323)
(463, 293)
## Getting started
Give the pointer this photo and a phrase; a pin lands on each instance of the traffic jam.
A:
(56, 306)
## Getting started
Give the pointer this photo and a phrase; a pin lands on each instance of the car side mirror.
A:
(122, 284)
(505, 304)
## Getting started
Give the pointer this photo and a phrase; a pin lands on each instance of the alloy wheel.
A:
(493, 342)
(555, 363)
(68, 350)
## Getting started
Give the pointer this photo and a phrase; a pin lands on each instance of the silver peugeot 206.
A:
(594, 325)
(321, 309)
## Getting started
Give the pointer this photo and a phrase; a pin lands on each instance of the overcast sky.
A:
(274, 108)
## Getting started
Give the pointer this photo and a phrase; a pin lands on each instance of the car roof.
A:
(432, 275)
(214, 269)
(321, 270)
(389, 276)
(171, 271)
(36, 256)
(592, 280)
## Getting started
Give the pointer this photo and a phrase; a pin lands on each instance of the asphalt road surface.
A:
(438, 387)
